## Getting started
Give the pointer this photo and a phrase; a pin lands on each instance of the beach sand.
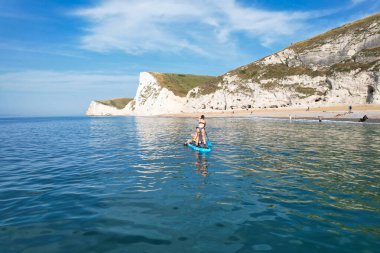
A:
(338, 112)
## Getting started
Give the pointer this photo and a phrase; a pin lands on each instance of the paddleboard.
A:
(200, 148)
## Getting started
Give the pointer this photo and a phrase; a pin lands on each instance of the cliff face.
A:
(340, 66)
(153, 99)
(98, 108)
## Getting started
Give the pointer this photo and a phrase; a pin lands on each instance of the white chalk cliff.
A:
(339, 66)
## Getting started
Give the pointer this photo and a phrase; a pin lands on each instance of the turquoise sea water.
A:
(129, 185)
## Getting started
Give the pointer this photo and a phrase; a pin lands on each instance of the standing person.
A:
(350, 109)
(201, 130)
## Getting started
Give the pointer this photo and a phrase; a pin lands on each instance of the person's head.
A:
(202, 117)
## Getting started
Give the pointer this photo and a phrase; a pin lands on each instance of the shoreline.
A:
(331, 113)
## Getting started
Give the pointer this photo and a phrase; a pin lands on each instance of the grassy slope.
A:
(356, 27)
(119, 103)
(256, 72)
(369, 52)
(180, 84)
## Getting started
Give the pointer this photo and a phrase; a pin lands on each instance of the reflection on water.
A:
(130, 185)
(201, 163)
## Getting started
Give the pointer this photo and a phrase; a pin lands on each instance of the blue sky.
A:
(56, 56)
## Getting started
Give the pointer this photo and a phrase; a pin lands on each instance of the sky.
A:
(57, 55)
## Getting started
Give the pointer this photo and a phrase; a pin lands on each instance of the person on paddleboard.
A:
(201, 132)
(193, 138)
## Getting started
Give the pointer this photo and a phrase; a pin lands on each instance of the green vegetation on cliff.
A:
(354, 27)
(181, 84)
(349, 65)
(256, 72)
(119, 103)
(306, 91)
(364, 60)
(210, 86)
(368, 52)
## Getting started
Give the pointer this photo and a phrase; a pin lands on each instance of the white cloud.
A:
(68, 82)
(355, 2)
(198, 26)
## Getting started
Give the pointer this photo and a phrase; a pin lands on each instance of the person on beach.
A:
(365, 117)
(350, 109)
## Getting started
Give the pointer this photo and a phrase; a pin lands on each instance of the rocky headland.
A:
(339, 67)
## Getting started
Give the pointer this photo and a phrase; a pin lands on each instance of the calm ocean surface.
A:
(127, 184)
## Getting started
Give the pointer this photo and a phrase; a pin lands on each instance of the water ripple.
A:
(128, 184)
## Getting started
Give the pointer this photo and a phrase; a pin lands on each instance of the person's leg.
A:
(204, 136)
(198, 137)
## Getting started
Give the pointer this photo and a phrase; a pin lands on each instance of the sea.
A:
(128, 184)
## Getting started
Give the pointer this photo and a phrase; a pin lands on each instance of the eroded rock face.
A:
(152, 99)
(340, 66)
(99, 109)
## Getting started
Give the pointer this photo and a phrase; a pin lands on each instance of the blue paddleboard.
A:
(200, 148)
